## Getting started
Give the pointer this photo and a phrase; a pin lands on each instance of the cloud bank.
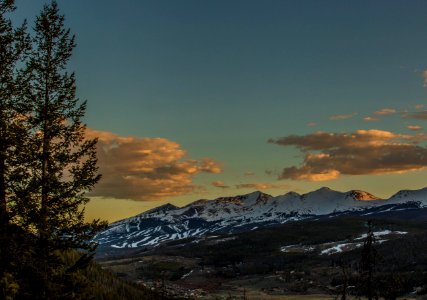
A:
(145, 168)
(363, 152)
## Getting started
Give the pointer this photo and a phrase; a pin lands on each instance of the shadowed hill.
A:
(104, 285)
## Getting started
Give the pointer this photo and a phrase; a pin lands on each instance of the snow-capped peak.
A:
(405, 196)
(292, 194)
(161, 209)
(321, 193)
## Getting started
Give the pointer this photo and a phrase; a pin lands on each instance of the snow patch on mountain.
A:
(330, 248)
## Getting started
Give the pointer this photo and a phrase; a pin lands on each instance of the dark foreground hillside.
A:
(306, 257)
(103, 285)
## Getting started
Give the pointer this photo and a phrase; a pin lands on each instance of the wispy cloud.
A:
(385, 112)
(418, 115)
(363, 152)
(146, 168)
(260, 186)
(249, 173)
(370, 119)
(311, 124)
(414, 127)
(342, 117)
(252, 185)
(425, 78)
(419, 106)
(380, 113)
(220, 184)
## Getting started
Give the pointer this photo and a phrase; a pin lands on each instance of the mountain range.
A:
(248, 212)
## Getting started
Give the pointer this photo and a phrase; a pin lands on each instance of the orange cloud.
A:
(145, 168)
(385, 112)
(425, 78)
(419, 106)
(342, 117)
(311, 124)
(363, 152)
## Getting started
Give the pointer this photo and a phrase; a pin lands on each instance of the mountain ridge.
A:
(245, 213)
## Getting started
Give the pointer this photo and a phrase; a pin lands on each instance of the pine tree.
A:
(14, 45)
(60, 161)
(368, 265)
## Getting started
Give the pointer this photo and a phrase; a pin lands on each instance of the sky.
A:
(201, 99)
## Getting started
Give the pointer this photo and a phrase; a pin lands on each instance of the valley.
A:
(268, 247)
(288, 259)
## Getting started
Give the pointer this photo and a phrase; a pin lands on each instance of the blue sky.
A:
(221, 78)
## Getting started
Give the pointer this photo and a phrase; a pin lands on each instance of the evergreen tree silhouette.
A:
(14, 46)
(59, 159)
(368, 264)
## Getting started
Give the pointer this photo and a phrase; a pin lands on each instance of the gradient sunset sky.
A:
(201, 99)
